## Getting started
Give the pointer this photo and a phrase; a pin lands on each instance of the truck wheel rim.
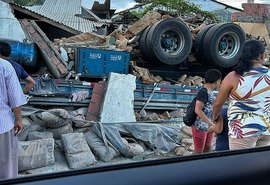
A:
(228, 45)
(172, 42)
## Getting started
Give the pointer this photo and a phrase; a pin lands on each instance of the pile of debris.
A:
(58, 140)
(62, 139)
(147, 78)
(121, 40)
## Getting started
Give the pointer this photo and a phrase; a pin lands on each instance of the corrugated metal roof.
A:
(64, 12)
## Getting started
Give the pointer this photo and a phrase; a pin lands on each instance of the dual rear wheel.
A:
(170, 42)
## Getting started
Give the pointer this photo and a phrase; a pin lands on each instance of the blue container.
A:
(99, 63)
(23, 53)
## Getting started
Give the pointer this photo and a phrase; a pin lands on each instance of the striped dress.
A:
(248, 111)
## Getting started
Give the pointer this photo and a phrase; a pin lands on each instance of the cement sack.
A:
(80, 114)
(36, 119)
(53, 120)
(134, 148)
(35, 135)
(78, 153)
(62, 113)
(57, 132)
(28, 126)
(82, 130)
(35, 154)
(103, 152)
(112, 134)
(60, 165)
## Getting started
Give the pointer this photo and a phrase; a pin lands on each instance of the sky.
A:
(125, 4)
(115, 4)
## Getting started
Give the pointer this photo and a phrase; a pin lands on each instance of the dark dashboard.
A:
(243, 167)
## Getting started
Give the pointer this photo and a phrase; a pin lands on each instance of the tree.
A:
(176, 7)
(29, 2)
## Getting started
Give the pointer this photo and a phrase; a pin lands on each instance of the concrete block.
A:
(118, 101)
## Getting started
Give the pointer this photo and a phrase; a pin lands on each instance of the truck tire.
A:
(143, 43)
(169, 41)
(225, 41)
(198, 43)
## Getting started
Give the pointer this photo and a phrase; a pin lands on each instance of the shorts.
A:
(201, 139)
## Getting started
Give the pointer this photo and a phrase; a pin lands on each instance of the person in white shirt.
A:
(11, 98)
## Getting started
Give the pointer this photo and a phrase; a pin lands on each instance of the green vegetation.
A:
(29, 2)
(180, 7)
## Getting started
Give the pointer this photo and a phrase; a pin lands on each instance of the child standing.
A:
(204, 110)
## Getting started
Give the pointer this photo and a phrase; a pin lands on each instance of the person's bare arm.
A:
(198, 110)
(18, 125)
(30, 83)
(229, 83)
(218, 125)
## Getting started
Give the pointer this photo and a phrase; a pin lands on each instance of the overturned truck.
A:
(169, 42)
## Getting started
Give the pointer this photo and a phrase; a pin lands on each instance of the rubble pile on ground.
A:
(50, 134)
(84, 39)
(65, 139)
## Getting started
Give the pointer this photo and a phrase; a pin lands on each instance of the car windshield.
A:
(111, 82)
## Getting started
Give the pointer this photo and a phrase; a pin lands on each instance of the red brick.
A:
(50, 53)
(233, 17)
(248, 9)
(31, 30)
(62, 69)
(262, 5)
(94, 108)
(42, 45)
(244, 5)
(26, 22)
(36, 36)
(254, 5)
(55, 61)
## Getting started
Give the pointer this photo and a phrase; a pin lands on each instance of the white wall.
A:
(9, 26)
